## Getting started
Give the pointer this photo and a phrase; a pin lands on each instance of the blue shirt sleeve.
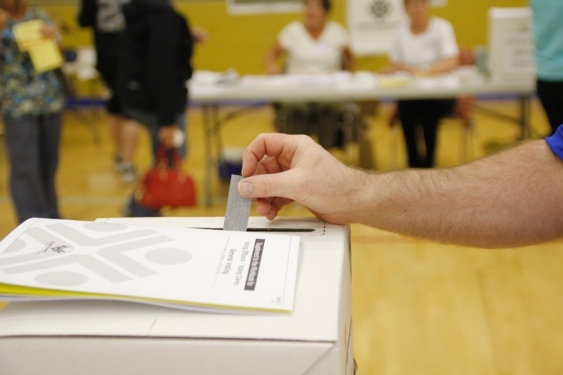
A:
(555, 142)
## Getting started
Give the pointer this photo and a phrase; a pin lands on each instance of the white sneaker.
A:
(128, 174)
(118, 163)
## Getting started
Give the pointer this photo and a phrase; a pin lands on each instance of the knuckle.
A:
(267, 186)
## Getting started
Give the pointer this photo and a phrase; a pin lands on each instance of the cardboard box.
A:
(103, 337)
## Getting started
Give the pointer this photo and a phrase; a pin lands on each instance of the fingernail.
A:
(245, 188)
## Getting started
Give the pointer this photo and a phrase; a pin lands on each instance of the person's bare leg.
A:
(114, 124)
(128, 142)
(125, 134)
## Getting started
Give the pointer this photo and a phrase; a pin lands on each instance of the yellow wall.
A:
(239, 41)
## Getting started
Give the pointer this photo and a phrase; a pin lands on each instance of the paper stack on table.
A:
(206, 270)
(394, 80)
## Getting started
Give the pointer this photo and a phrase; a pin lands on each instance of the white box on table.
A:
(121, 338)
(511, 44)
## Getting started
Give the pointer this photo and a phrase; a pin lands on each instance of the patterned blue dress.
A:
(31, 105)
(24, 92)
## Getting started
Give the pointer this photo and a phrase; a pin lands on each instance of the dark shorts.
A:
(109, 75)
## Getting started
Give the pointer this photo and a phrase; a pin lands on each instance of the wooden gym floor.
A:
(418, 307)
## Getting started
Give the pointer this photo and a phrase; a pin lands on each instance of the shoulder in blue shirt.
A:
(555, 142)
(548, 38)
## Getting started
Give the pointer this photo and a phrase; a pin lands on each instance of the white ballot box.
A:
(511, 44)
(125, 338)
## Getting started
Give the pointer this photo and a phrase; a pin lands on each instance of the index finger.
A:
(266, 144)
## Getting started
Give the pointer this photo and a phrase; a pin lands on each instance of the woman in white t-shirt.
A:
(313, 46)
(424, 45)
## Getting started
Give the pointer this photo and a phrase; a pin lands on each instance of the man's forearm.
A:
(513, 198)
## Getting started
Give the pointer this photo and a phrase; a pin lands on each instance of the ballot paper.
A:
(200, 269)
(44, 52)
(238, 207)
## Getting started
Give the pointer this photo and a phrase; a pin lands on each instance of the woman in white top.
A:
(423, 45)
(313, 46)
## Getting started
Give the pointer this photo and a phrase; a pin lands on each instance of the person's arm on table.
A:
(396, 68)
(349, 59)
(272, 56)
(439, 67)
(513, 198)
(443, 66)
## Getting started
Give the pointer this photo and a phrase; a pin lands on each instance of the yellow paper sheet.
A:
(28, 33)
(393, 81)
(45, 54)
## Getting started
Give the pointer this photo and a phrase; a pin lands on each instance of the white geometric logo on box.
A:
(111, 257)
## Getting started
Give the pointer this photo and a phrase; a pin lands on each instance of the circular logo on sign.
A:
(380, 8)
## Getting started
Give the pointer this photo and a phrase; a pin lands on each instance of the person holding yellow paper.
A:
(31, 104)
(33, 37)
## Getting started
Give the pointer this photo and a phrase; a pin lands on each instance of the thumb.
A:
(267, 185)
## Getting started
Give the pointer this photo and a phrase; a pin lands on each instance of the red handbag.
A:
(166, 185)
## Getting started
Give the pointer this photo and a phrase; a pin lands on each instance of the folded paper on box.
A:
(176, 267)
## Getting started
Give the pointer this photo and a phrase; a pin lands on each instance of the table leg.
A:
(207, 126)
(523, 118)
(525, 112)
